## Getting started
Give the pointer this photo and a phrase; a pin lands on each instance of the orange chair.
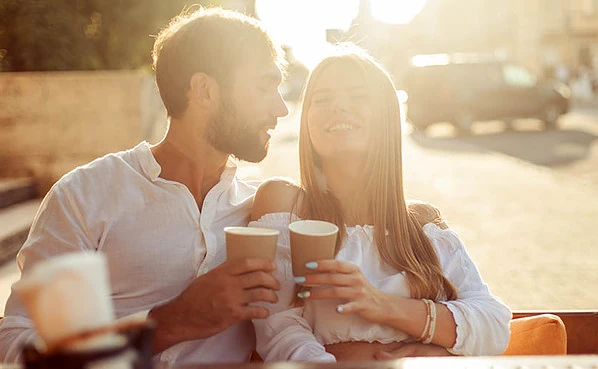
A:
(542, 334)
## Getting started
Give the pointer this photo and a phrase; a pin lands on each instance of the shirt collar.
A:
(230, 170)
(148, 163)
(152, 169)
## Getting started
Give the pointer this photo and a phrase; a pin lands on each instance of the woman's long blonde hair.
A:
(406, 247)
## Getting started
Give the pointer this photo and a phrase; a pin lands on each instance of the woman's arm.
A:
(482, 319)
(346, 281)
(275, 196)
(477, 323)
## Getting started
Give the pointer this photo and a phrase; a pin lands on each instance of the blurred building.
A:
(581, 36)
(512, 29)
(528, 31)
(543, 34)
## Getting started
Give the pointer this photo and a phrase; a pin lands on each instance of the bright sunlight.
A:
(303, 24)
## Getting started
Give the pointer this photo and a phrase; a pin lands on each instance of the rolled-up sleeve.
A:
(482, 319)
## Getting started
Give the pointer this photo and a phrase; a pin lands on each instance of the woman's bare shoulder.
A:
(276, 195)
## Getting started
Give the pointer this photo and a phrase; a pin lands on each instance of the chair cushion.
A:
(542, 334)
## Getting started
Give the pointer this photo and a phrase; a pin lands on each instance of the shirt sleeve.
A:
(285, 335)
(482, 319)
(58, 228)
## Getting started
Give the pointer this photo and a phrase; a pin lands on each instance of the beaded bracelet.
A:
(427, 325)
(432, 323)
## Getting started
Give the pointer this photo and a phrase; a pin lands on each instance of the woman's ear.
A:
(204, 90)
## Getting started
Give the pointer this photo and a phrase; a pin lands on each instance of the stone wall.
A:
(52, 122)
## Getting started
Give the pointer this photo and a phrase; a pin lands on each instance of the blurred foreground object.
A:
(68, 300)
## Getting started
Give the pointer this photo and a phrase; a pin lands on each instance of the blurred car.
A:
(465, 92)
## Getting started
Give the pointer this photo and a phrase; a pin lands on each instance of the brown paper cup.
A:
(248, 242)
(311, 240)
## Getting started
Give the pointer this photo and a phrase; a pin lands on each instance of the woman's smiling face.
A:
(339, 115)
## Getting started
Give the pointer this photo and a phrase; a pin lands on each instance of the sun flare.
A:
(302, 24)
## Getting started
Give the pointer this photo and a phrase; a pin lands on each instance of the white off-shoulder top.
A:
(299, 333)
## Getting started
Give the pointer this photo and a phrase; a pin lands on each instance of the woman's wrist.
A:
(395, 313)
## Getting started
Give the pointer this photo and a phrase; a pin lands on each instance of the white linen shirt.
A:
(300, 333)
(153, 235)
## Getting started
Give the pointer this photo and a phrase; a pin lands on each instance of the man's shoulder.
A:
(98, 172)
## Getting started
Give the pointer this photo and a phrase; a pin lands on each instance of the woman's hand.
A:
(342, 280)
(412, 350)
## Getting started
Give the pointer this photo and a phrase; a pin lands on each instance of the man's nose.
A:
(280, 107)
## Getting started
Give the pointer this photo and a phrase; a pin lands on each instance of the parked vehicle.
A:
(464, 92)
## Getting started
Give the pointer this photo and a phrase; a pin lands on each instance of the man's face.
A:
(250, 106)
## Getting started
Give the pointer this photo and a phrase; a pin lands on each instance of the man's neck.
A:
(186, 157)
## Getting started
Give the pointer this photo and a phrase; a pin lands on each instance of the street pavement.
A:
(525, 202)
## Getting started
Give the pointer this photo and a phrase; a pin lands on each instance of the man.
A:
(158, 213)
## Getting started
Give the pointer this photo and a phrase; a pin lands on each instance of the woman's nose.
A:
(340, 103)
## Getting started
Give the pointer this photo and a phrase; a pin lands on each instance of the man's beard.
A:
(228, 133)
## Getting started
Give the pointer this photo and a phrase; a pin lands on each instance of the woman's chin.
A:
(345, 153)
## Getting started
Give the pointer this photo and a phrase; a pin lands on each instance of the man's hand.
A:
(412, 350)
(215, 301)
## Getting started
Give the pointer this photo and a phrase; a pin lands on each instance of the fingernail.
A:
(339, 309)
(299, 279)
(303, 294)
(311, 265)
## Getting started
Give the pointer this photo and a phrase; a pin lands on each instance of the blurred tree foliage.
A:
(44, 35)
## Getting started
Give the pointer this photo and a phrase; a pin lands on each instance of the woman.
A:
(395, 284)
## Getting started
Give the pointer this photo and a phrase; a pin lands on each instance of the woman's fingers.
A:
(350, 308)
(332, 273)
(347, 293)
(329, 279)
(333, 266)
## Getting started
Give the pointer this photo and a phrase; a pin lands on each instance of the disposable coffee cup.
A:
(67, 295)
(249, 242)
(311, 240)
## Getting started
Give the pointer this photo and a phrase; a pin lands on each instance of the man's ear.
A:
(204, 90)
